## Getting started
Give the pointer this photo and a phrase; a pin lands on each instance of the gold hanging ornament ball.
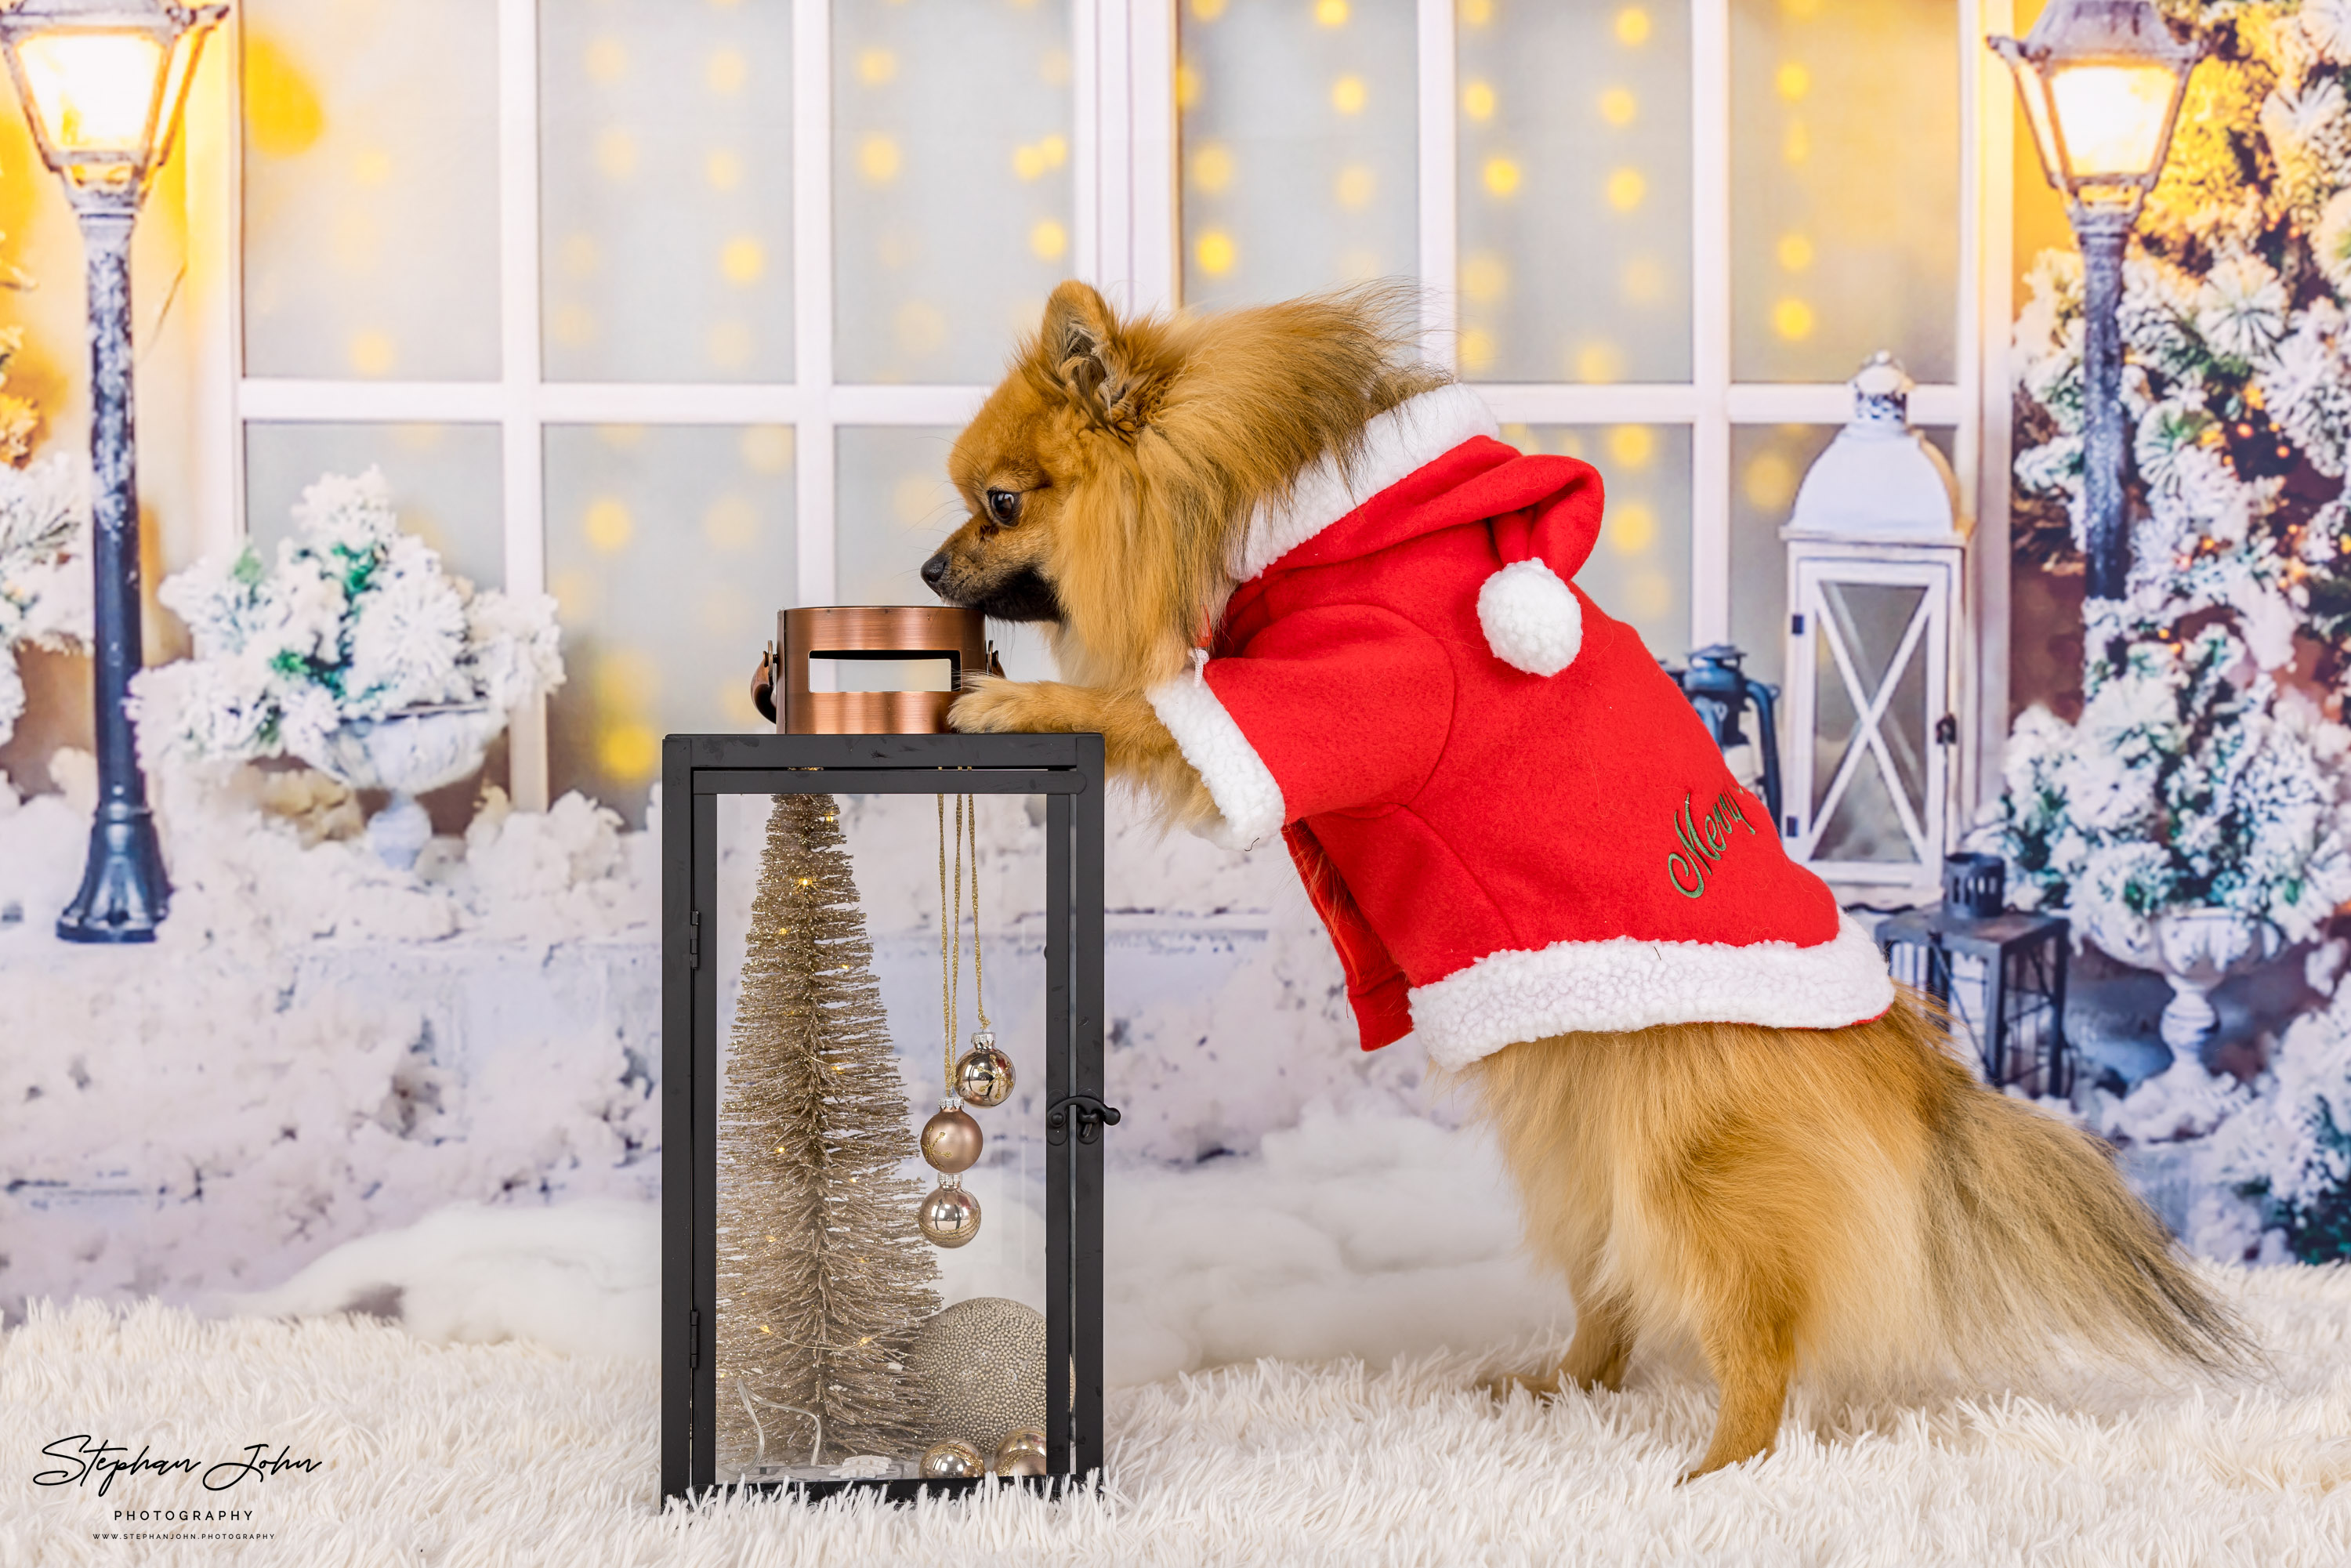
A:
(1021, 1453)
(950, 1215)
(984, 1074)
(951, 1139)
(949, 1461)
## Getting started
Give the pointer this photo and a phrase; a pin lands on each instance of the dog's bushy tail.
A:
(2032, 1234)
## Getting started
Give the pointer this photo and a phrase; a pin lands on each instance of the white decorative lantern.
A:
(1876, 557)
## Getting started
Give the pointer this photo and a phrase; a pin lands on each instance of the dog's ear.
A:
(1087, 356)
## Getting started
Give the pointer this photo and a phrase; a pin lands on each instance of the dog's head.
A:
(1107, 475)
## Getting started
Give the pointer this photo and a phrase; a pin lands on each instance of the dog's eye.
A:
(1004, 505)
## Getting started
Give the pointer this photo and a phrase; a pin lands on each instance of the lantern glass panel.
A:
(1299, 145)
(1860, 760)
(2112, 116)
(806, 1269)
(95, 92)
(1573, 168)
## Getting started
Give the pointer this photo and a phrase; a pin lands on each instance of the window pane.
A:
(1574, 192)
(1639, 572)
(1768, 462)
(670, 549)
(445, 484)
(370, 189)
(893, 507)
(1300, 146)
(1844, 181)
(665, 170)
(951, 163)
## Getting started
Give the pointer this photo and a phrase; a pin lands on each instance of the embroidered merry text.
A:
(1703, 840)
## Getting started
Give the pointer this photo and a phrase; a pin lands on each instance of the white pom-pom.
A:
(1531, 619)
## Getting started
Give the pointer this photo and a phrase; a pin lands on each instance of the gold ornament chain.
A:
(951, 932)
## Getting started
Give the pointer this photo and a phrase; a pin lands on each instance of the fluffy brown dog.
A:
(1847, 1201)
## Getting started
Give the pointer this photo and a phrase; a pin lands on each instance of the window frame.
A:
(1127, 234)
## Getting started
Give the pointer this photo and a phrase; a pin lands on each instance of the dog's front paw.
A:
(993, 705)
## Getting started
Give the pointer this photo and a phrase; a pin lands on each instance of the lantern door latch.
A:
(693, 939)
(1090, 1113)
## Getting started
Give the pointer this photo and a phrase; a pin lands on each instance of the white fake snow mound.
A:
(1369, 1236)
(513, 1455)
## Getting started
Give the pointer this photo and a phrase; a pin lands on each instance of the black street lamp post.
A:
(2102, 82)
(101, 82)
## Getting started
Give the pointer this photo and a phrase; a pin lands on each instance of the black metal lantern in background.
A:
(1999, 973)
(700, 774)
(101, 82)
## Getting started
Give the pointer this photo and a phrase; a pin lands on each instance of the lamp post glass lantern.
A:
(101, 82)
(2102, 82)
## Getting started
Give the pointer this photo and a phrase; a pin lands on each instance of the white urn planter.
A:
(407, 753)
(2194, 949)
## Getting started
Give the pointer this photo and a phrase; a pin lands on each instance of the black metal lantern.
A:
(713, 788)
(1719, 689)
(1999, 973)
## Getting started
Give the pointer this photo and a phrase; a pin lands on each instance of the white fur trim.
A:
(1239, 782)
(1531, 619)
(1628, 983)
(1413, 435)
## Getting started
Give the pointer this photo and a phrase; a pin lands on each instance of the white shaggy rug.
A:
(512, 1454)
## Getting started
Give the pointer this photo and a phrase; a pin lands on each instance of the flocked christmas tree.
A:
(822, 1276)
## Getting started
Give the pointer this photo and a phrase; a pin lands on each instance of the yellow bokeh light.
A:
(1477, 101)
(1793, 319)
(1631, 529)
(1047, 239)
(1797, 145)
(374, 353)
(1477, 13)
(1501, 175)
(875, 67)
(1214, 253)
(1794, 251)
(608, 525)
(1207, 10)
(921, 327)
(1056, 148)
(282, 113)
(1355, 186)
(371, 166)
(579, 255)
(1792, 80)
(766, 448)
(727, 71)
(1648, 594)
(1802, 10)
(1770, 482)
(1618, 105)
(1599, 361)
(1331, 13)
(1053, 67)
(572, 325)
(616, 154)
(1626, 189)
(1348, 95)
(1632, 445)
(1632, 26)
(731, 522)
(878, 159)
(622, 437)
(628, 752)
(1485, 276)
(722, 168)
(606, 60)
(625, 681)
(1476, 346)
(742, 259)
(1028, 161)
(916, 498)
(1187, 86)
(1212, 169)
(1643, 280)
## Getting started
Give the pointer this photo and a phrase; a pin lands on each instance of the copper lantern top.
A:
(890, 632)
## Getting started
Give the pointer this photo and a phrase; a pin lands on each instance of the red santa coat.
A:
(1511, 819)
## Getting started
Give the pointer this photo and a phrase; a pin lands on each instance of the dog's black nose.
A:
(936, 570)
